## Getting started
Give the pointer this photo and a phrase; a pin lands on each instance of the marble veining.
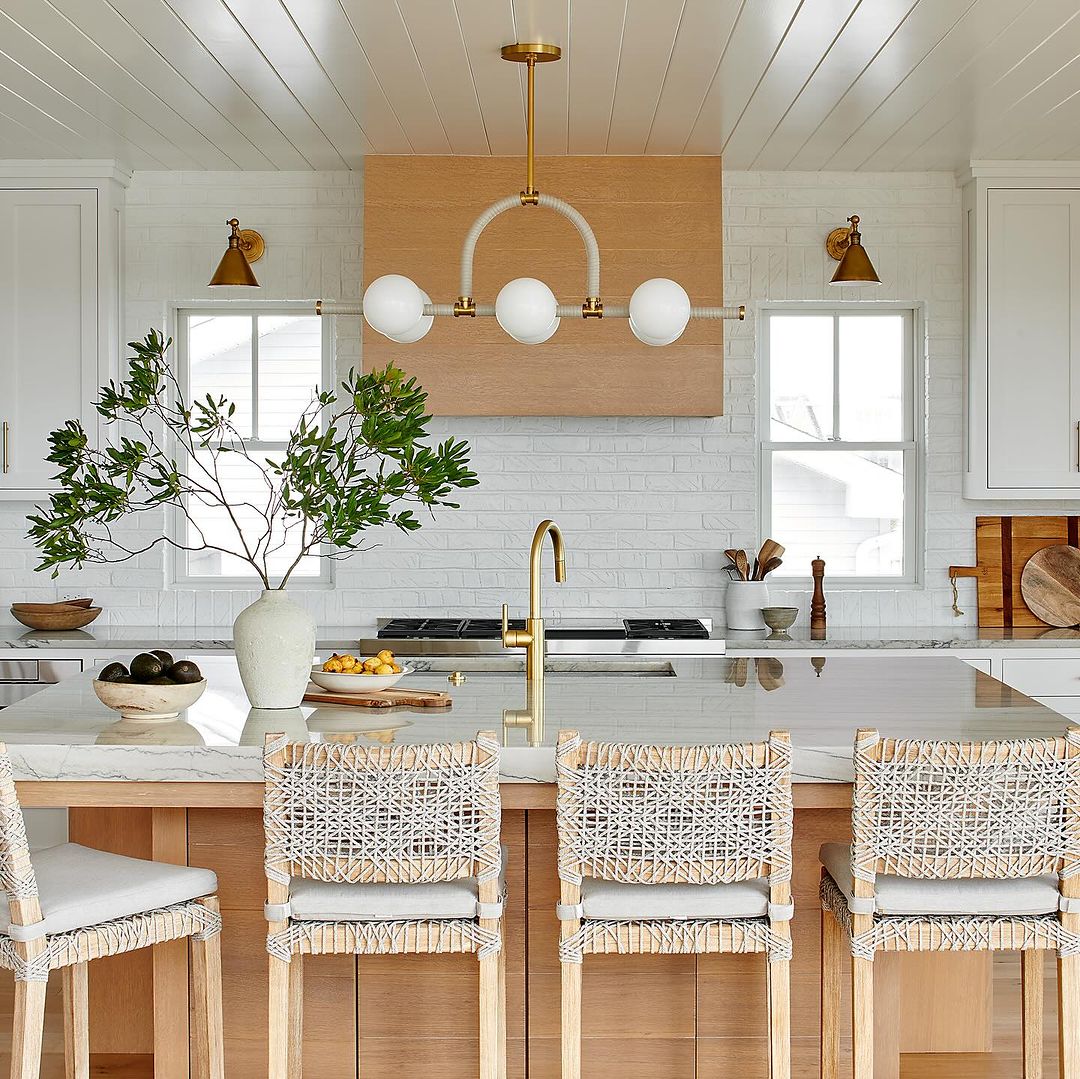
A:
(64, 732)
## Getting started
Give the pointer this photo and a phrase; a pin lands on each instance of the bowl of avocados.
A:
(152, 686)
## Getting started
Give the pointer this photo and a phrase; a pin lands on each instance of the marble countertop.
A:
(65, 733)
(219, 638)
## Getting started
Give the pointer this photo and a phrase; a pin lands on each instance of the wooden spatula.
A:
(769, 549)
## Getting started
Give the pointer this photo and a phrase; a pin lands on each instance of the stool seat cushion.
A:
(328, 901)
(908, 896)
(79, 886)
(616, 901)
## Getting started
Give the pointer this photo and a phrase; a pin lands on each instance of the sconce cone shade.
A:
(234, 269)
(855, 266)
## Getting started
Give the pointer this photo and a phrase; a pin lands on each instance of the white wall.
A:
(647, 504)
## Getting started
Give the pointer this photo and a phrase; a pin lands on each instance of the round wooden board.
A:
(1050, 585)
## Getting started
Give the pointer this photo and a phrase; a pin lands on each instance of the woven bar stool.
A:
(957, 847)
(70, 904)
(382, 850)
(675, 850)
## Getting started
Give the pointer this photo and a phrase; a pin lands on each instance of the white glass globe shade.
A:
(393, 305)
(659, 311)
(527, 310)
(423, 324)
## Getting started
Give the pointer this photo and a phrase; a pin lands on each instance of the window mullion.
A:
(255, 377)
(836, 379)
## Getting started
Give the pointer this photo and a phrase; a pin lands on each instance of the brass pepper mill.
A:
(817, 603)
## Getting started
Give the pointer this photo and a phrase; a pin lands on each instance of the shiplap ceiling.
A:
(770, 84)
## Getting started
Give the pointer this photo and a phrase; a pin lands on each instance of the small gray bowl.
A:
(779, 618)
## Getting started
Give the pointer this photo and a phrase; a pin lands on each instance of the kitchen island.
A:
(190, 791)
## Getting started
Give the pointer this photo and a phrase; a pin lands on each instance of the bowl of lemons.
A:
(355, 674)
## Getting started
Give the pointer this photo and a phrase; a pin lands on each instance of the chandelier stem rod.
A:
(530, 171)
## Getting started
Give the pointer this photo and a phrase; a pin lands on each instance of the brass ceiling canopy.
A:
(526, 308)
(845, 245)
(245, 247)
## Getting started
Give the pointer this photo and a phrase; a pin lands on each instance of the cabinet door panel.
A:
(48, 323)
(1033, 345)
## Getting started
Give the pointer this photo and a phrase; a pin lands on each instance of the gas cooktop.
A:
(490, 629)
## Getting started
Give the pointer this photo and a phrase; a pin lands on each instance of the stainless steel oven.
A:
(21, 677)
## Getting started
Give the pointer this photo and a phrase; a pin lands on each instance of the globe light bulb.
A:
(527, 310)
(419, 330)
(393, 305)
(659, 311)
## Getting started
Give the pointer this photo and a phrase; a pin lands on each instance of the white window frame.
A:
(912, 445)
(177, 327)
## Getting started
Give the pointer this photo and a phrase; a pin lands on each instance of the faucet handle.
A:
(513, 638)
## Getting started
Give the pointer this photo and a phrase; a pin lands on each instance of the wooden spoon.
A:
(743, 564)
(769, 549)
(768, 567)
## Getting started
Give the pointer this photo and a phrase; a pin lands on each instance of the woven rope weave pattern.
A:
(111, 938)
(397, 814)
(949, 933)
(670, 814)
(941, 810)
(16, 872)
(383, 938)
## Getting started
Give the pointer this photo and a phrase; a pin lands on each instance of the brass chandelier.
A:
(526, 308)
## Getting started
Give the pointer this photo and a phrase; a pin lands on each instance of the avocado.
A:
(165, 657)
(161, 680)
(113, 672)
(184, 671)
(146, 666)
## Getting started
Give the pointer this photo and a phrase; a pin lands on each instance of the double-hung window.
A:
(269, 361)
(839, 430)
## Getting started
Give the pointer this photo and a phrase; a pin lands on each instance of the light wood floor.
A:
(1003, 1063)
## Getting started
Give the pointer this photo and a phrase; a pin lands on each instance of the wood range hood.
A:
(653, 217)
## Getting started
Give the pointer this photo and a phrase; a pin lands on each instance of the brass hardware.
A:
(456, 678)
(318, 307)
(742, 312)
(593, 307)
(531, 54)
(531, 638)
(855, 267)
(465, 305)
(7, 463)
(245, 247)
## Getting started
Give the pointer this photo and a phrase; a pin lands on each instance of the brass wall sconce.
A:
(845, 245)
(245, 247)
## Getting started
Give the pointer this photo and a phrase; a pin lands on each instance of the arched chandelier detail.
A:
(658, 312)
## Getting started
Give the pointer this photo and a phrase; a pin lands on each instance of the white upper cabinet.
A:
(1022, 243)
(59, 315)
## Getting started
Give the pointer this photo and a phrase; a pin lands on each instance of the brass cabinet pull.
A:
(7, 460)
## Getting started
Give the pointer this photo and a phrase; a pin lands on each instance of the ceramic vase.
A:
(274, 640)
(743, 602)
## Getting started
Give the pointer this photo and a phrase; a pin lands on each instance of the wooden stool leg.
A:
(1069, 1016)
(862, 1017)
(832, 966)
(26, 1034)
(571, 1021)
(280, 1027)
(296, 1017)
(76, 1023)
(502, 1012)
(1031, 981)
(779, 979)
(206, 984)
(489, 1017)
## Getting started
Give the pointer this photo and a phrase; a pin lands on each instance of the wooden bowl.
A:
(135, 701)
(55, 616)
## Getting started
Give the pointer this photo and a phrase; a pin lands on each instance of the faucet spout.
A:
(544, 528)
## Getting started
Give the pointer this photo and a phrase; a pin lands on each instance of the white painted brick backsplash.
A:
(648, 504)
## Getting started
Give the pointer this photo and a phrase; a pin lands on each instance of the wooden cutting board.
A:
(382, 698)
(1003, 546)
(1050, 585)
